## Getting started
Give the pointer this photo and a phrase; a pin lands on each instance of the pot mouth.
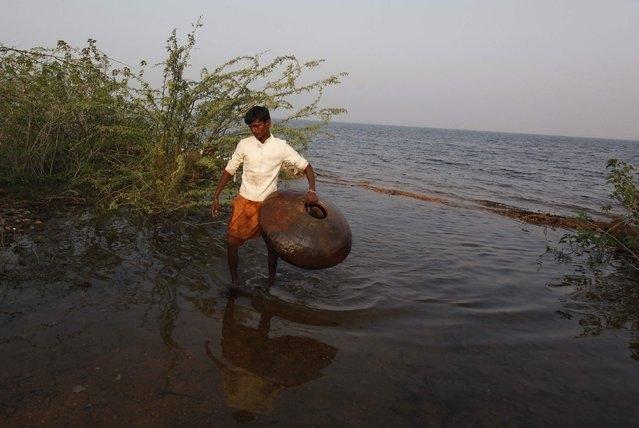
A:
(316, 211)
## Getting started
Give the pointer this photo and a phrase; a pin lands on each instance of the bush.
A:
(76, 119)
(61, 115)
(619, 239)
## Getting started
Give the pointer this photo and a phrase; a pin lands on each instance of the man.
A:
(263, 156)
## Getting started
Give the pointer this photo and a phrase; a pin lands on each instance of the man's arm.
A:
(294, 158)
(311, 195)
(224, 179)
(237, 158)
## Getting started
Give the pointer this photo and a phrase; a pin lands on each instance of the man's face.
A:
(260, 129)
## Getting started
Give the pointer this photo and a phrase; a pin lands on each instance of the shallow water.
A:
(441, 315)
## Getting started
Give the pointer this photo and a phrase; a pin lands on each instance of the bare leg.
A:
(233, 244)
(272, 265)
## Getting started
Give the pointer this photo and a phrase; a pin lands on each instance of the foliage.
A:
(604, 291)
(619, 240)
(78, 119)
(61, 115)
(602, 301)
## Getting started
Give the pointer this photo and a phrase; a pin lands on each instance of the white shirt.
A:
(262, 163)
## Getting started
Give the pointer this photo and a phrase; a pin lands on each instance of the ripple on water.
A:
(434, 303)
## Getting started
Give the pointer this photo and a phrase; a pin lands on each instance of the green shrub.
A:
(76, 119)
(619, 239)
(61, 115)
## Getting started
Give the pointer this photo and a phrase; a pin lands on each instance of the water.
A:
(441, 315)
(561, 175)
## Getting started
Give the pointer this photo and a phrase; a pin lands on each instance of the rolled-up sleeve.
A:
(236, 159)
(294, 158)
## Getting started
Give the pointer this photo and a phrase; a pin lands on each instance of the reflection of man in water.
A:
(260, 366)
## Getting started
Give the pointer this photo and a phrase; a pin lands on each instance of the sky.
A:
(558, 67)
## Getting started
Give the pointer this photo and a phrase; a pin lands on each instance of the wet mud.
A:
(19, 215)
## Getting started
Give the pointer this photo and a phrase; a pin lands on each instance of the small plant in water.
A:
(605, 289)
(619, 240)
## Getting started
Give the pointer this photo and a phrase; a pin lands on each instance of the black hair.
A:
(256, 113)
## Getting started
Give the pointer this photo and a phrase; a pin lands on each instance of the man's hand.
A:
(215, 206)
(311, 197)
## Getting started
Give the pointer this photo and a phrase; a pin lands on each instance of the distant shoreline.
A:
(483, 131)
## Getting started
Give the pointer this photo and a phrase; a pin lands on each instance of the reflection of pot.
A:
(256, 367)
(311, 237)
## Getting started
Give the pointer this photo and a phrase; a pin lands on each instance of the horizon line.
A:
(477, 130)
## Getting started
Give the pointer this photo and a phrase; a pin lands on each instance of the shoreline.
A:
(536, 218)
(19, 214)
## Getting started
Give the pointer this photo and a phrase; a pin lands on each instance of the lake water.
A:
(560, 175)
(441, 315)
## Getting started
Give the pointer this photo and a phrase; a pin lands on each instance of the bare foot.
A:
(232, 290)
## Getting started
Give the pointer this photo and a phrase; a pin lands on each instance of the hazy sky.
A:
(551, 67)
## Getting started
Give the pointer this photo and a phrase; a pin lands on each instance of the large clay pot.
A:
(310, 237)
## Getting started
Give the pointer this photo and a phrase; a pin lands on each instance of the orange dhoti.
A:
(245, 219)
